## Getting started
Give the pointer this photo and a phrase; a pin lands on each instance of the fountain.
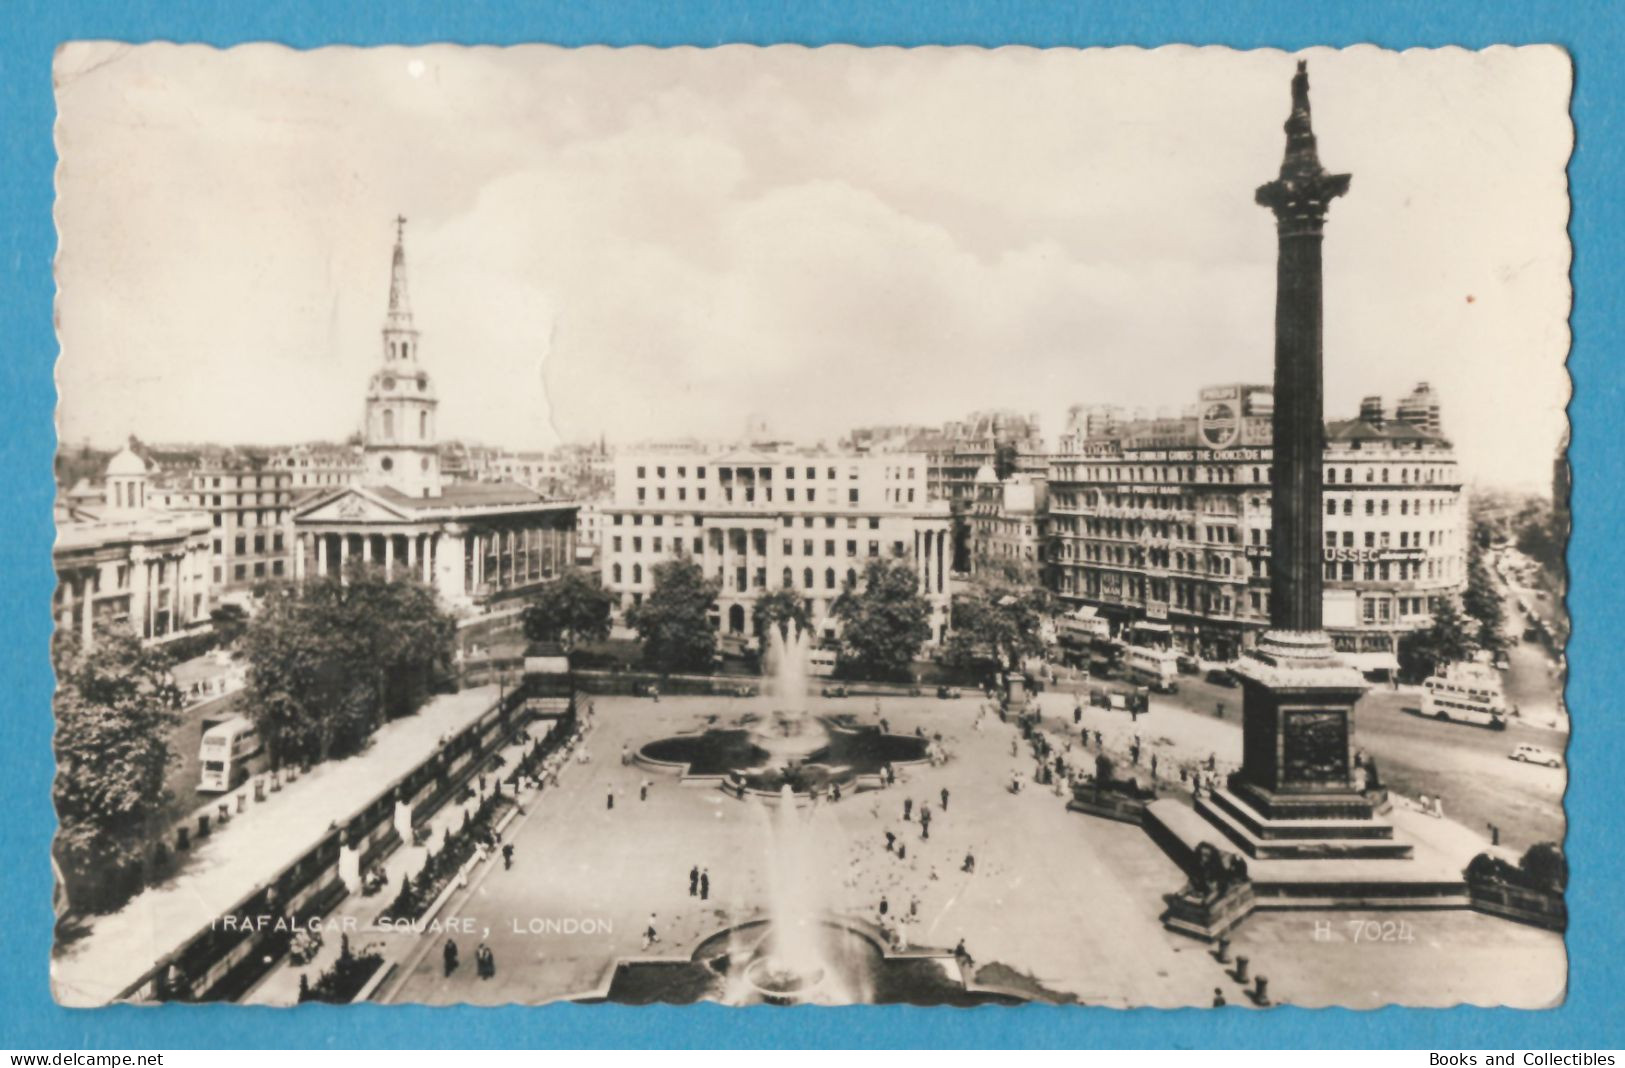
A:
(791, 733)
(796, 950)
(785, 745)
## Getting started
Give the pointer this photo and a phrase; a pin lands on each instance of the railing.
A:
(222, 961)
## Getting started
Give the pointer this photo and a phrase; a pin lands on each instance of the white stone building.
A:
(759, 521)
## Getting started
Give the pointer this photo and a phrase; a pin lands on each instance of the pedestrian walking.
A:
(650, 935)
(1153, 765)
(1077, 713)
(913, 907)
(448, 954)
(902, 851)
(705, 885)
(945, 799)
(609, 798)
(507, 856)
(970, 863)
(643, 790)
(1218, 998)
(694, 881)
(908, 809)
(484, 963)
(891, 841)
(885, 906)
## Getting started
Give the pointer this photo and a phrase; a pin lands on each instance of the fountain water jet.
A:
(790, 733)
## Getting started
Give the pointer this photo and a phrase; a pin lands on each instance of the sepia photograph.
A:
(811, 526)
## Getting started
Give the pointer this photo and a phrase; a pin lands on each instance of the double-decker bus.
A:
(821, 662)
(1466, 693)
(228, 746)
(1154, 666)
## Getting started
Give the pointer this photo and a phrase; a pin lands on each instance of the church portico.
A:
(475, 543)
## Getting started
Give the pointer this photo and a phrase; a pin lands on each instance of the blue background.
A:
(1593, 1014)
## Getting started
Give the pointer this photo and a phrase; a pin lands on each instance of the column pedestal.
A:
(1295, 796)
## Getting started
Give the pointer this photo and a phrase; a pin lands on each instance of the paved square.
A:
(1069, 901)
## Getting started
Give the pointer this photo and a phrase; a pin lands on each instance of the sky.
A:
(649, 244)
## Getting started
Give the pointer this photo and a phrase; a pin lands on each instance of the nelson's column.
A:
(1299, 698)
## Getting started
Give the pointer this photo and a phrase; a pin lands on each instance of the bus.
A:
(1466, 693)
(1082, 629)
(821, 663)
(1157, 667)
(228, 746)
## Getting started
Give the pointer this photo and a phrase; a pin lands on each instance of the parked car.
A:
(947, 692)
(835, 691)
(1221, 677)
(1534, 754)
(1189, 665)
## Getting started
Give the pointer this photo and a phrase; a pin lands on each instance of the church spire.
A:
(400, 337)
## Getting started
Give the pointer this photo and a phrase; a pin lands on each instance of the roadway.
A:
(1465, 765)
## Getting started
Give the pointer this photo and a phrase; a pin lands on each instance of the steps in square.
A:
(1298, 839)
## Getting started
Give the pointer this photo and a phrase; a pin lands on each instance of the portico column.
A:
(152, 598)
(428, 559)
(389, 555)
(344, 551)
(88, 624)
(298, 557)
(366, 547)
(64, 616)
(321, 555)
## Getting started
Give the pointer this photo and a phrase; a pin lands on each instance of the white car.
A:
(1534, 754)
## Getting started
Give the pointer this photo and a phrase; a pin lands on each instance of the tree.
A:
(674, 621)
(884, 624)
(573, 608)
(229, 622)
(1423, 652)
(776, 608)
(115, 707)
(1546, 866)
(1481, 601)
(998, 620)
(331, 659)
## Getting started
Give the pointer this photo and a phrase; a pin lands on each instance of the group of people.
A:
(485, 962)
(699, 882)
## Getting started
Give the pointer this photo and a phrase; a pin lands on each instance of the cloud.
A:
(656, 244)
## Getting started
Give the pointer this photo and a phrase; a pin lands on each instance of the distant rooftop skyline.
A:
(655, 245)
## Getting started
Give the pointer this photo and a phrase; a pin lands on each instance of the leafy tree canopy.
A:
(885, 623)
(330, 660)
(574, 608)
(1447, 641)
(116, 706)
(674, 619)
(776, 608)
(1000, 620)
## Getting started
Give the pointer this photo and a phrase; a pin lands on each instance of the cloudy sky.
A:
(647, 243)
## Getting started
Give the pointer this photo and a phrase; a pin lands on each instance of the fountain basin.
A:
(860, 970)
(827, 750)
